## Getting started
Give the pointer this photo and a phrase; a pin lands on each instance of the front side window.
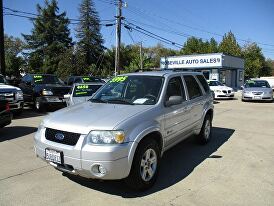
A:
(137, 89)
(193, 87)
(175, 88)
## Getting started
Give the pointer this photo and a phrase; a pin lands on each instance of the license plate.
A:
(55, 100)
(54, 156)
(257, 97)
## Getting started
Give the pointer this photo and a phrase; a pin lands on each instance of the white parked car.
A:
(82, 92)
(220, 90)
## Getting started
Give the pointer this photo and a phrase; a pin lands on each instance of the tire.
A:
(39, 107)
(205, 133)
(145, 165)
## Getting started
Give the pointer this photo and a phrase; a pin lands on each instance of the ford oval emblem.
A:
(59, 136)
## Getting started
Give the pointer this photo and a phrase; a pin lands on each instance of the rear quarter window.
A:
(203, 83)
(193, 87)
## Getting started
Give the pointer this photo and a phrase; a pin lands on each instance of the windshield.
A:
(46, 79)
(2, 80)
(92, 79)
(249, 84)
(130, 90)
(84, 90)
(215, 83)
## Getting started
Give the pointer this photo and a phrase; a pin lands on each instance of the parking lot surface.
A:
(235, 168)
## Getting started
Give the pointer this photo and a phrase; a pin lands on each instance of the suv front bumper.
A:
(85, 160)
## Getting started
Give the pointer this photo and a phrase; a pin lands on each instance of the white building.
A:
(217, 66)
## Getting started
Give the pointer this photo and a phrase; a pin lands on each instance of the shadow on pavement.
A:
(29, 112)
(177, 163)
(13, 132)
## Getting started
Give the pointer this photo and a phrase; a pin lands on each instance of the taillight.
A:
(7, 107)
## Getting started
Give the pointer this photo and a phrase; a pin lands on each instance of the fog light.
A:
(102, 170)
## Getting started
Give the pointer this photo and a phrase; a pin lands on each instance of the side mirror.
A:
(242, 87)
(174, 100)
(66, 96)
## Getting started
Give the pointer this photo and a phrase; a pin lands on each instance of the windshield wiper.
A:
(119, 101)
(97, 100)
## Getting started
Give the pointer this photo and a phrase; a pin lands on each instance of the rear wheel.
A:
(145, 165)
(205, 133)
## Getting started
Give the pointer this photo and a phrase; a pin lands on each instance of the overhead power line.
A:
(24, 14)
(148, 13)
(152, 35)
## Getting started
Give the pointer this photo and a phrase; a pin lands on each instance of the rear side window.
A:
(70, 81)
(193, 87)
(175, 88)
(203, 83)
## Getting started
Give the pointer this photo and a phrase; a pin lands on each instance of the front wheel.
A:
(205, 133)
(145, 165)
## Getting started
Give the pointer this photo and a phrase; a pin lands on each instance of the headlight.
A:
(19, 95)
(47, 92)
(246, 92)
(106, 137)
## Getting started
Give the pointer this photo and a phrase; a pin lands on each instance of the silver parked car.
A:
(82, 92)
(258, 90)
(125, 128)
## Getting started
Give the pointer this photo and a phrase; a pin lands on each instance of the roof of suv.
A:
(160, 73)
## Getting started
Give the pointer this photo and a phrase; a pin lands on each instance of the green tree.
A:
(88, 33)
(254, 60)
(49, 38)
(14, 59)
(229, 45)
(195, 45)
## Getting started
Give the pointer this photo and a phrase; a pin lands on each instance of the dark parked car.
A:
(83, 79)
(43, 90)
(5, 114)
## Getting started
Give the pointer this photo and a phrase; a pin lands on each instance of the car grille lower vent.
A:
(62, 137)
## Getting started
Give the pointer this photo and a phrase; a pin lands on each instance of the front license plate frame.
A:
(257, 98)
(54, 156)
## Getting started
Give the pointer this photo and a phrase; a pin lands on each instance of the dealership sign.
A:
(195, 61)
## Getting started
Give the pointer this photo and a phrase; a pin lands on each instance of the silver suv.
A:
(125, 128)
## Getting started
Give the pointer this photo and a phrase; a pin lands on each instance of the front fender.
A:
(137, 134)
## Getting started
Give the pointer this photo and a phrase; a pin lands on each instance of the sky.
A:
(174, 20)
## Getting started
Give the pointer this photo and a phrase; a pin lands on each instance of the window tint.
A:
(175, 88)
(192, 87)
(78, 80)
(70, 80)
(203, 83)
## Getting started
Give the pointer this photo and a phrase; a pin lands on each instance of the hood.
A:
(8, 88)
(220, 88)
(87, 116)
(257, 89)
(77, 100)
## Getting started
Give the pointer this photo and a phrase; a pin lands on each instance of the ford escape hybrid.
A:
(125, 128)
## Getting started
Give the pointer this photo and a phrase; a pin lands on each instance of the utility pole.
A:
(118, 36)
(2, 48)
(141, 56)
